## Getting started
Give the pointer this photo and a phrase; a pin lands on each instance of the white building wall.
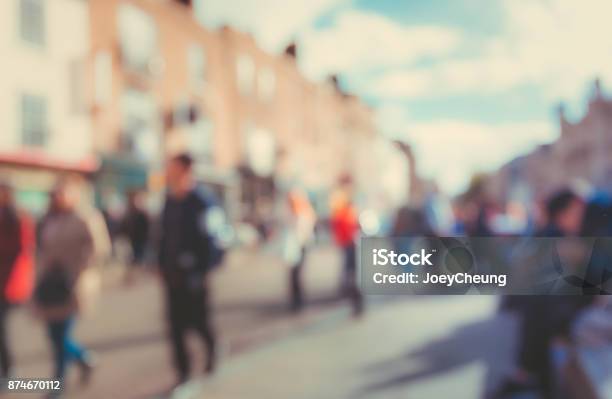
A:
(46, 71)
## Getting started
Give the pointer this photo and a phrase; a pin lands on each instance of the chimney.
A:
(561, 112)
(563, 124)
(597, 89)
(335, 81)
(291, 50)
(188, 3)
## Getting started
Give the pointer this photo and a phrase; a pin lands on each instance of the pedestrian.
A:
(345, 229)
(72, 241)
(16, 267)
(135, 227)
(187, 252)
(544, 319)
(300, 223)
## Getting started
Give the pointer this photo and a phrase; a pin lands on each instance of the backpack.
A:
(54, 288)
(214, 227)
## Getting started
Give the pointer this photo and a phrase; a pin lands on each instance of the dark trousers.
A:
(188, 309)
(350, 283)
(295, 283)
(5, 354)
(545, 318)
(65, 347)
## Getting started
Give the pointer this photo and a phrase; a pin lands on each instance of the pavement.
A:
(429, 347)
(409, 347)
(126, 330)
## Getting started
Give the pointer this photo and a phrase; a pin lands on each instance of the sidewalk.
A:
(431, 347)
(127, 329)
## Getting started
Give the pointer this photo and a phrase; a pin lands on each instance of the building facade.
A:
(157, 89)
(579, 157)
(140, 80)
(45, 124)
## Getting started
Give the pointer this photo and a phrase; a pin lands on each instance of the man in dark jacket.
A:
(547, 318)
(184, 259)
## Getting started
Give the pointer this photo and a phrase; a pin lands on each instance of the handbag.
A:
(54, 288)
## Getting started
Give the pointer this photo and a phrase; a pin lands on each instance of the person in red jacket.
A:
(16, 266)
(345, 229)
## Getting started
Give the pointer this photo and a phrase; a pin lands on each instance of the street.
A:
(421, 346)
(433, 347)
(126, 330)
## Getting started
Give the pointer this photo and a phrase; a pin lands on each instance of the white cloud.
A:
(483, 75)
(274, 23)
(356, 42)
(558, 45)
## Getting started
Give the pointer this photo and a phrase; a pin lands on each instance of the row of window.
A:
(138, 38)
(246, 75)
(138, 43)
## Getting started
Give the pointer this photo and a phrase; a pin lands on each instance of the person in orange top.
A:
(345, 229)
(16, 266)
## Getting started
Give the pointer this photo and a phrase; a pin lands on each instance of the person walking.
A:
(16, 267)
(299, 231)
(72, 240)
(187, 252)
(135, 227)
(345, 229)
(545, 319)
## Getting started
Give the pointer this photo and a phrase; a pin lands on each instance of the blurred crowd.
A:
(547, 322)
(54, 263)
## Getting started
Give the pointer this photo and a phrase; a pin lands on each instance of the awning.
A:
(43, 160)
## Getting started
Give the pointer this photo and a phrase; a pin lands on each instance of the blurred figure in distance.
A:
(135, 226)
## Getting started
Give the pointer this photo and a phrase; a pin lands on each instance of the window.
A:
(266, 84)
(196, 61)
(32, 21)
(103, 78)
(261, 151)
(33, 121)
(76, 79)
(201, 138)
(245, 71)
(137, 38)
(182, 113)
(140, 125)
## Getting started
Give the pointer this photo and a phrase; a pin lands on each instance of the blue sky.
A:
(470, 84)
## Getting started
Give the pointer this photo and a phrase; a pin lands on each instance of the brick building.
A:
(159, 81)
(152, 81)
(141, 79)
